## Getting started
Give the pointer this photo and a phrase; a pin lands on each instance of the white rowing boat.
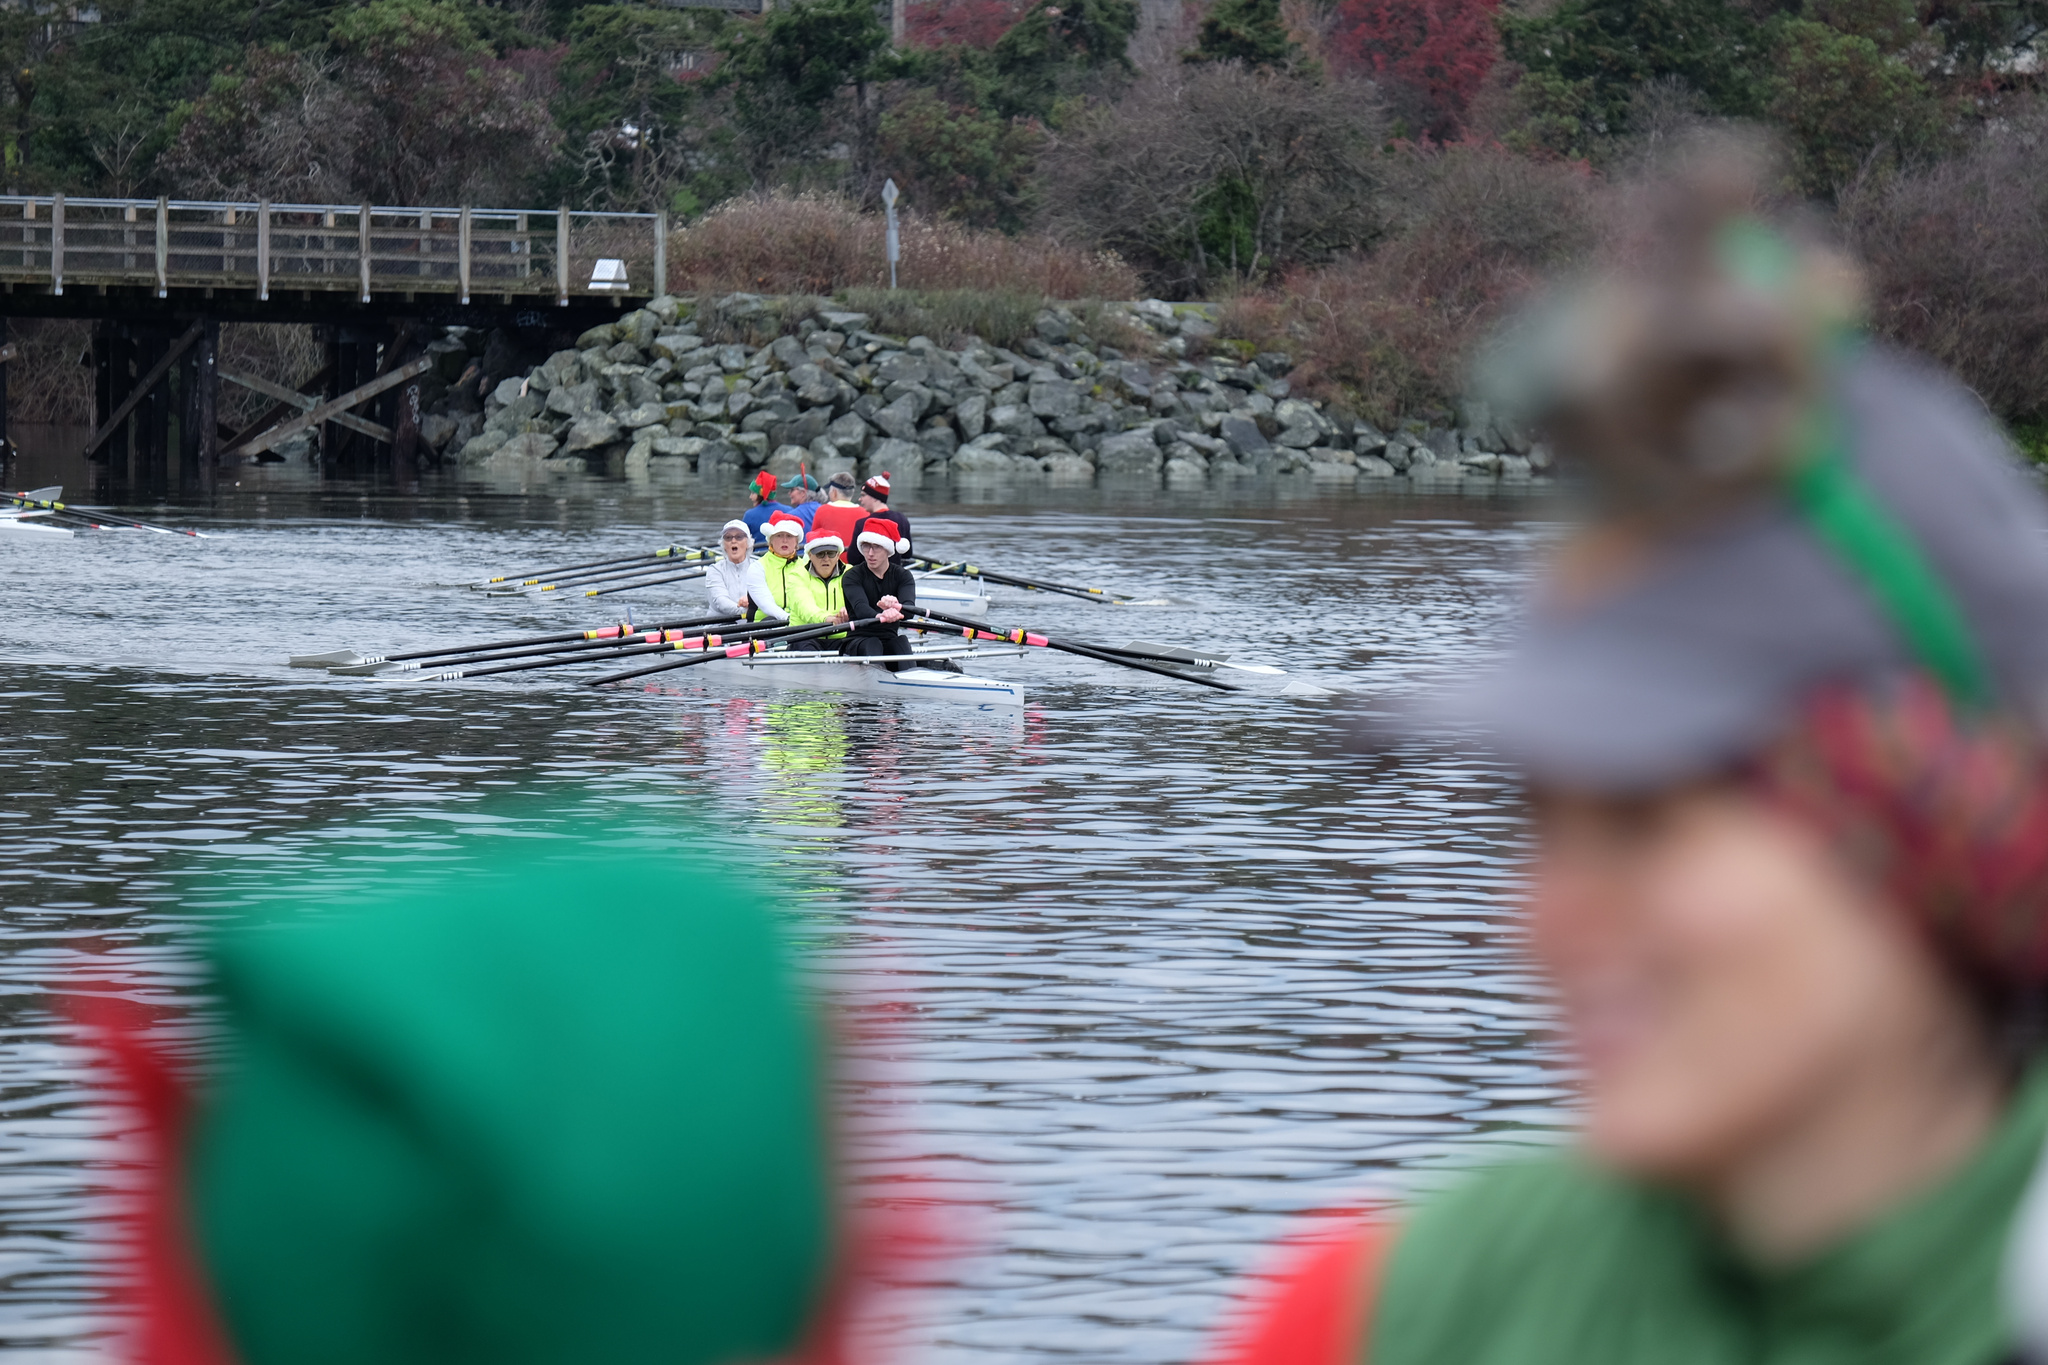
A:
(821, 672)
(21, 523)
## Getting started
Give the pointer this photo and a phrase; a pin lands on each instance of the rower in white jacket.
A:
(735, 584)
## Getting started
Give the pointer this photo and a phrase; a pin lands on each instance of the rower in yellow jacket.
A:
(782, 565)
(817, 591)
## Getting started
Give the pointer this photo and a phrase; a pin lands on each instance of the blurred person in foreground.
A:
(1778, 709)
(572, 1108)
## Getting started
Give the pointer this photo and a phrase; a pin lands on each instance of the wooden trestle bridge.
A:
(158, 277)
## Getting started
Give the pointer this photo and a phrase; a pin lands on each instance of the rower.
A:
(818, 590)
(760, 506)
(839, 515)
(881, 588)
(803, 500)
(735, 584)
(781, 565)
(874, 500)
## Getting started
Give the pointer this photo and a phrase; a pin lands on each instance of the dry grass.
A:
(821, 244)
(48, 383)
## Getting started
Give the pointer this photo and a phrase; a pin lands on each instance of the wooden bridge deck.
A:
(163, 247)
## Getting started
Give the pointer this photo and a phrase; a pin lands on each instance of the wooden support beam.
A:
(462, 254)
(561, 257)
(363, 249)
(163, 247)
(306, 403)
(263, 251)
(143, 386)
(286, 430)
(57, 242)
(262, 424)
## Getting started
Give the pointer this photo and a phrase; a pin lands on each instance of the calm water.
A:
(1158, 968)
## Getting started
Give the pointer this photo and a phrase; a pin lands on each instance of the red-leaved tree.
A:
(1428, 55)
(973, 23)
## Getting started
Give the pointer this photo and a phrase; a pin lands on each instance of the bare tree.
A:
(1213, 172)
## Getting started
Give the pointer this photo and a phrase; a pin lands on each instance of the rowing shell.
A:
(820, 672)
(18, 523)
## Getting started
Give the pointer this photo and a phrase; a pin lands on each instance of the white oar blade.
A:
(333, 658)
(50, 494)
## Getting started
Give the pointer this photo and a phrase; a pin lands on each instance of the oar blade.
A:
(333, 658)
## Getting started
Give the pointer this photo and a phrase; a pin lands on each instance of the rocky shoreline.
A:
(652, 391)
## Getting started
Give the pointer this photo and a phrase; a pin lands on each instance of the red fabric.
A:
(877, 487)
(1949, 813)
(1316, 1310)
(175, 1321)
(886, 529)
(837, 519)
(765, 482)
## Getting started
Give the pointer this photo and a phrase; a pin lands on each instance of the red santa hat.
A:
(784, 524)
(764, 484)
(824, 540)
(877, 487)
(885, 533)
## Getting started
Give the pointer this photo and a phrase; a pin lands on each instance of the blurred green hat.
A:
(569, 1109)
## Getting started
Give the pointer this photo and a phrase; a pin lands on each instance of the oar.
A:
(653, 635)
(583, 580)
(1145, 649)
(29, 499)
(756, 645)
(349, 658)
(961, 569)
(975, 630)
(682, 577)
(671, 641)
(530, 576)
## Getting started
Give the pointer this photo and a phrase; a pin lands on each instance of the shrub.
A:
(1213, 173)
(1958, 260)
(972, 23)
(820, 244)
(960, 162)
(1387, 333)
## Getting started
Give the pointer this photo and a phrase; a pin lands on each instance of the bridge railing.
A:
(60, 242)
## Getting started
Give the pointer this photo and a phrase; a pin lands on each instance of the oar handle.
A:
(687, 575)
(614, 632)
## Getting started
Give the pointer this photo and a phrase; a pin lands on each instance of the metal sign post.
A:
(890, 195)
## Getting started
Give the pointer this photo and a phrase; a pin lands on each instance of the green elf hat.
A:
(572, 1109)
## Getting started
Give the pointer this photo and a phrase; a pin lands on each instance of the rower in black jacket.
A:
(874, 503)
(877, 586)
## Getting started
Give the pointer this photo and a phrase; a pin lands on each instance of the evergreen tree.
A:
(1248, 31)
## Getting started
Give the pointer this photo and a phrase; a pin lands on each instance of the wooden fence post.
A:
(363, 249)
(163, 247)
(462, 254)
(561, 257)
(57, 242)
(263, 251)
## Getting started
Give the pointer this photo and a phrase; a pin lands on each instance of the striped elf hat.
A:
(569, 1109)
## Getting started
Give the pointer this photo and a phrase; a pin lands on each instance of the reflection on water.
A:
(1148, 969)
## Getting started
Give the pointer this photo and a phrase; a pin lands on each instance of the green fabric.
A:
(812, 601)
(571, 1110)
(782, 575)
(1881, 551)
(1550, 1262)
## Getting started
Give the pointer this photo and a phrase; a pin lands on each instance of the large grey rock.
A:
(899, 419)
(718, 457)
(1186, 473)
(666, 309)
(902, 367)
(1014, 419)
(847, 323)
(646, 415)
(1128, 453)
(1298, 438)
(1298, 412)
(575, 400)
(675, 345)
(588, 433)
(813, 387)
(1373, 467)
(850, 434)
(1067, 468)
(752, 446)
(971, 416)
(674, 447)
(522, 449)
(625, 353)
(437, 429)
(786, 460)
(508, 389)
(789, 352)
(1053, 400)
(803, 429)
(1245, 440)
(483, 446)
(895, 457)
(971, 460)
